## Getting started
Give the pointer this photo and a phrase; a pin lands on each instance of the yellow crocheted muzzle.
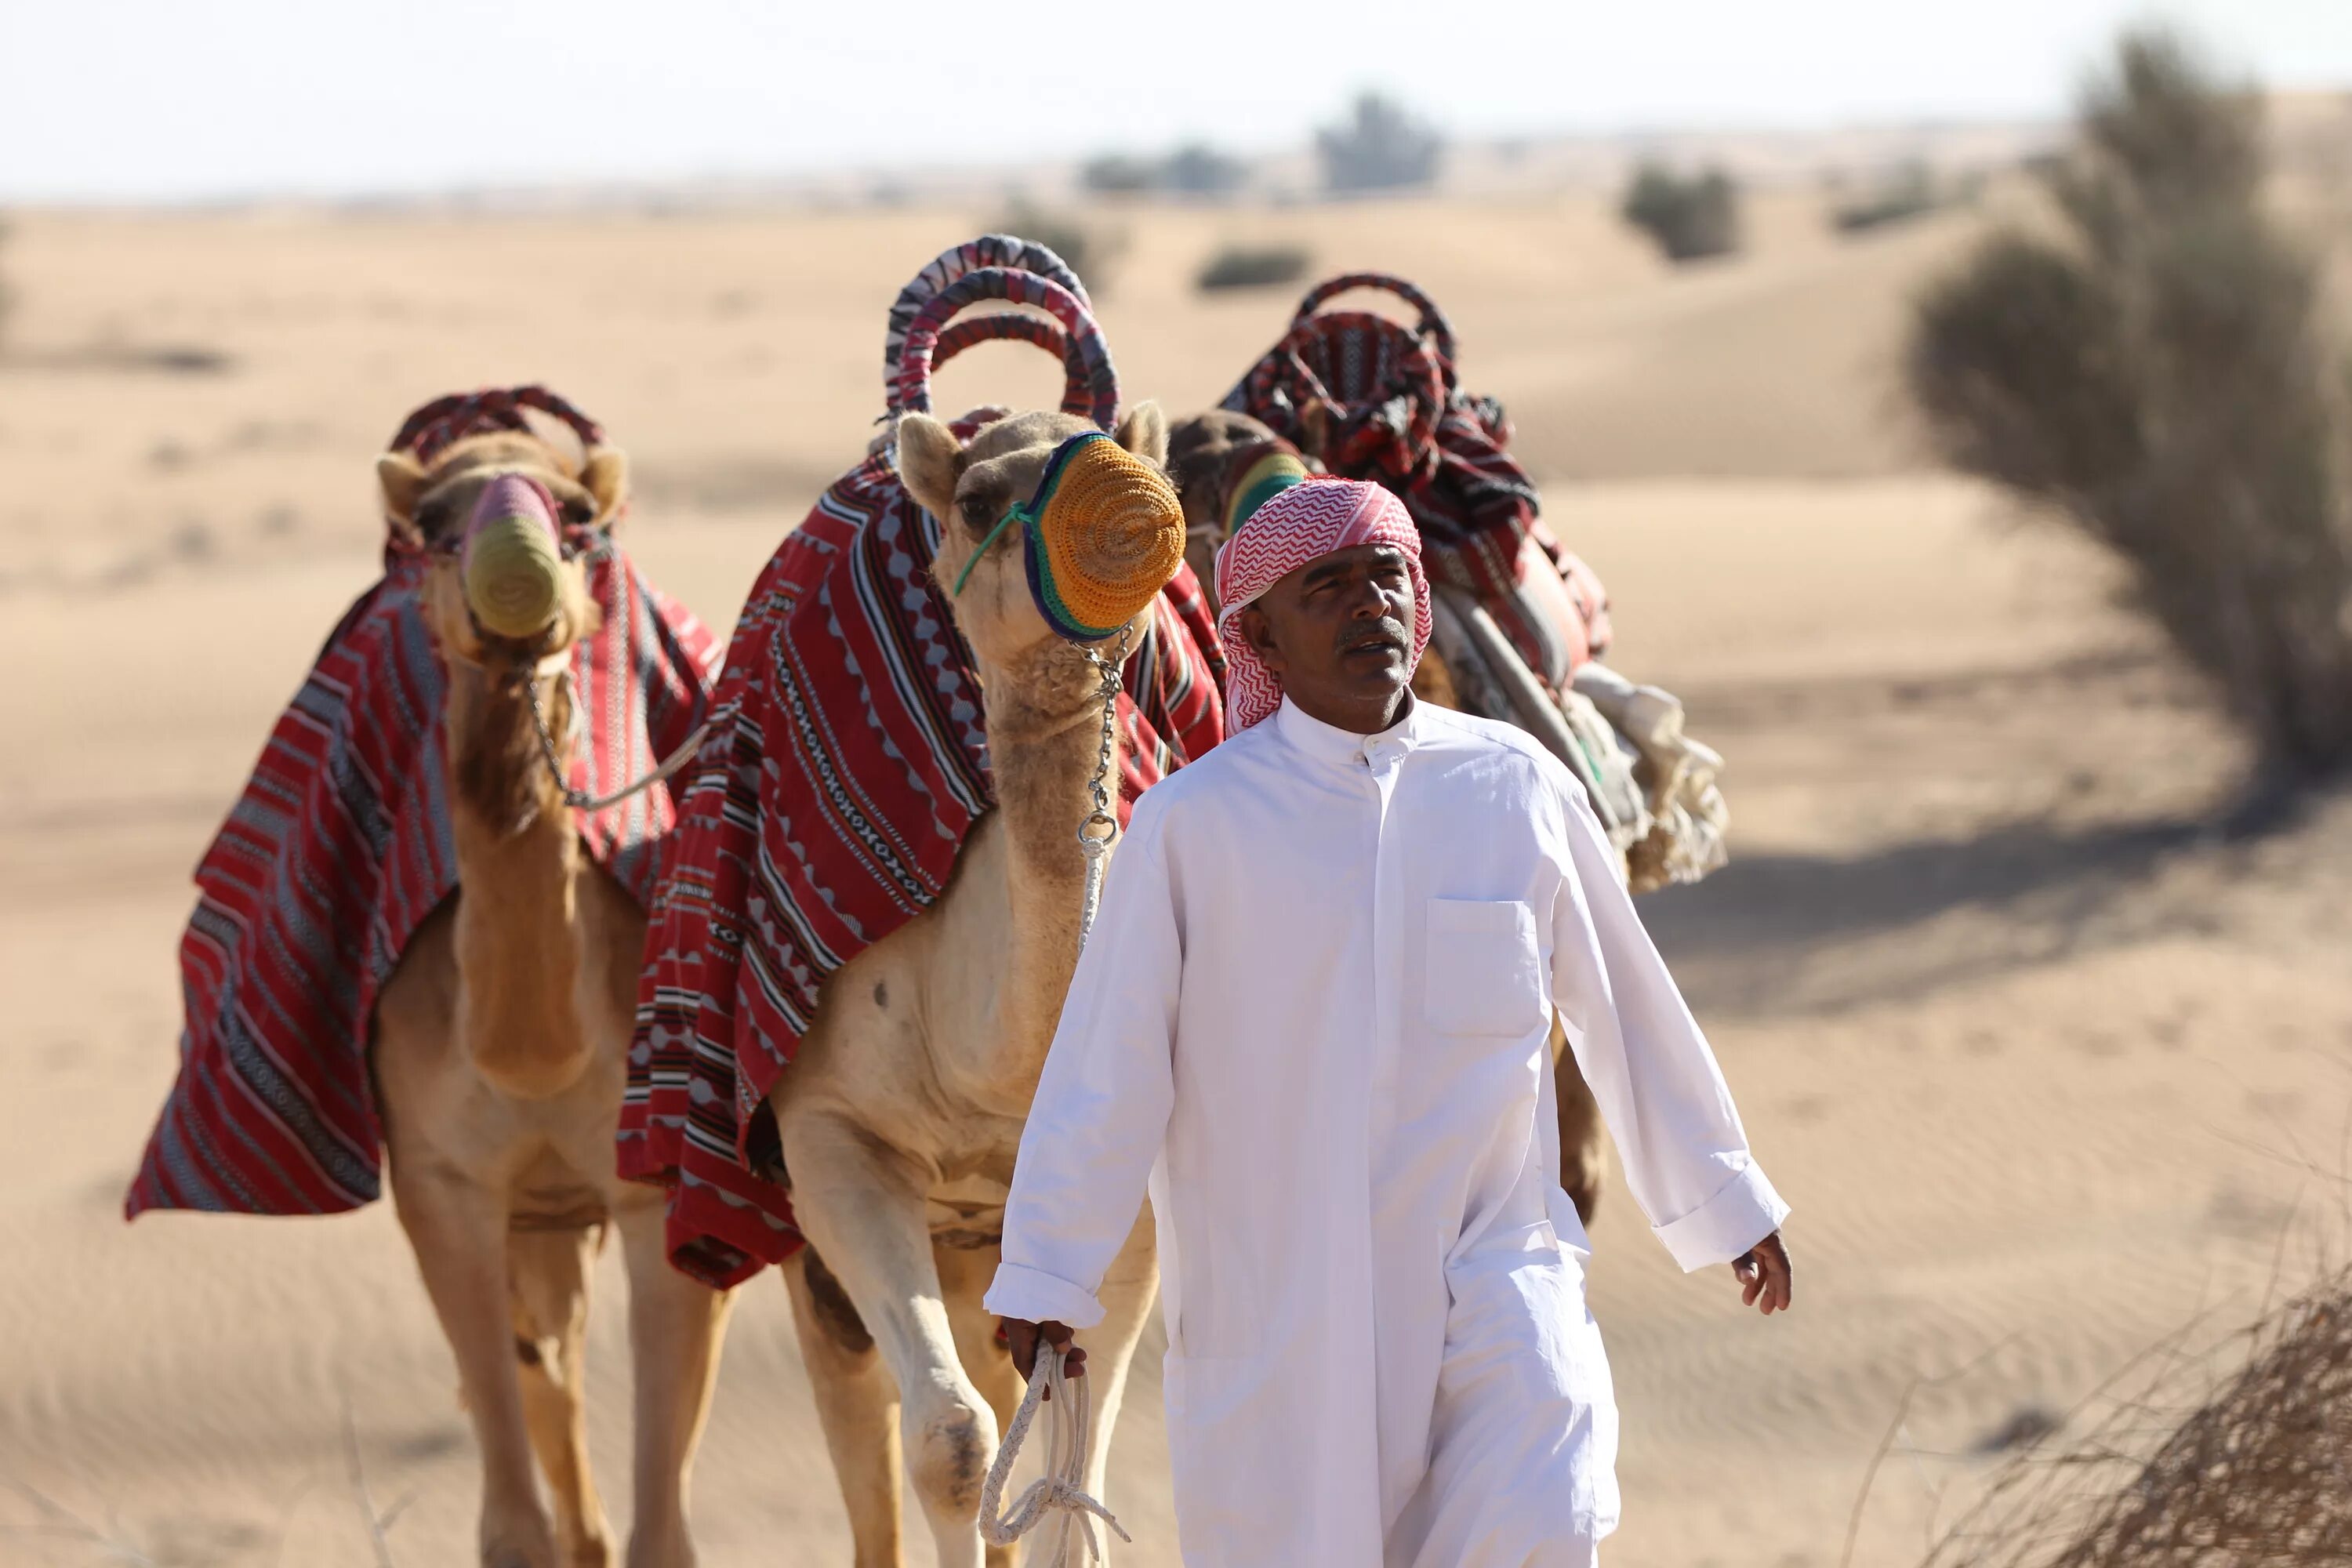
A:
(512, 566)
(1106, 533)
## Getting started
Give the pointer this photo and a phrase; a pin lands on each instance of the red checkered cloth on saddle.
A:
(1372, 399)
(341, 846)
(847, 762)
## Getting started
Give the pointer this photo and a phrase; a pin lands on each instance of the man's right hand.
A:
(1023, 1338)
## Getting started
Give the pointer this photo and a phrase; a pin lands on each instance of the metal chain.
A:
(1101, 828)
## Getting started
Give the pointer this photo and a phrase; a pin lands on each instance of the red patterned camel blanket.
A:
(341, 846)
(847, 762)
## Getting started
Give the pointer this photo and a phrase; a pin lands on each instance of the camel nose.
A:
(1110, 535)
(511, 565)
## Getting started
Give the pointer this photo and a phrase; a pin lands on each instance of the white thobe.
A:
(1314, 1017)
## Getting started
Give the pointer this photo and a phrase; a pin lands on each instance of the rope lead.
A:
(1069, 1427)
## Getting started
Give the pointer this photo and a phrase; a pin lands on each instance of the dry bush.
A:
(1251, 266)
(2157, 375)
(1691, 216)
(1897, 195)
(2258, 1476)
(1090, 250)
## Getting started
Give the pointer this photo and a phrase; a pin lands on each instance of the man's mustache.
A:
(1386, 632)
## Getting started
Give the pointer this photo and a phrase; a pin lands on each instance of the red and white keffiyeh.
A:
(1297, 526)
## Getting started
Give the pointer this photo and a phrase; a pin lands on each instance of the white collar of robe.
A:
(1328, 743)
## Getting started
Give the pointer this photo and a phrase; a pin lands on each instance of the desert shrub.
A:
(1089, 250)
(1691, 216)
(1907, 192)
(1381, 146)
(1252, 266)
(2155, 373)
(2255, 1471)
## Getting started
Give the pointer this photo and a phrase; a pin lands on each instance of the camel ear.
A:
(605, 475)
(1144, 432)
(402, 478)
(930, 460)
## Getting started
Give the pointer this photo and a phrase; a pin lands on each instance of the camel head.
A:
(982, 562)
(1215, 459)
(504, 590)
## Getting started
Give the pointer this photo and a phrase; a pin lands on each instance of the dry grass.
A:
(2259, 1475)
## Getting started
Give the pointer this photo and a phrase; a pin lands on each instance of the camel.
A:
(1203, 453)
(900, 1116)
(499, 1060)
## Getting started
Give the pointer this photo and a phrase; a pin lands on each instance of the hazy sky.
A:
(135, 100)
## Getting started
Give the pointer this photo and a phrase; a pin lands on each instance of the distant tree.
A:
(1381, 147)
(2157, 373)
(1196, 170)
(1120, 175)
(1251, 266)
(1691, 216)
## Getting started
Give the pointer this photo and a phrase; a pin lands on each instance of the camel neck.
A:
(517, 919)
(1044, 738)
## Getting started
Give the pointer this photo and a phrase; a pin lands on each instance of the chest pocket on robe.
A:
(1485, 970)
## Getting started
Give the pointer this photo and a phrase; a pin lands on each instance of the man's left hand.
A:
(1765, 1282)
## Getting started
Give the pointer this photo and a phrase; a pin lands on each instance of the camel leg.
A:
(964, 1276)
(458, 1230)
(1128, 1290)
(549, 1269)
(677, 1327)
(861, 1204)
(1580, 1130)
(857, 1403)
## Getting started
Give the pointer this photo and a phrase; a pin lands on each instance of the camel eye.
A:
(434, 521)
(978, 514)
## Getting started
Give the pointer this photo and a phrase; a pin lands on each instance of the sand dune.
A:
(2044, 1066)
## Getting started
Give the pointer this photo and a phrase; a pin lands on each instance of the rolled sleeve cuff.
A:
(1033, 1296)
(1742, 1213)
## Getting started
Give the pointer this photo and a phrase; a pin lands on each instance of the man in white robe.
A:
(1314, 1018)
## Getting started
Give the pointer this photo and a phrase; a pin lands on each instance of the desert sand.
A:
(2047, 1064)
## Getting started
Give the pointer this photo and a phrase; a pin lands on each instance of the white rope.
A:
(1069, 1421)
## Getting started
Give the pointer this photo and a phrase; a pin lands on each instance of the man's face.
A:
(1338, 632)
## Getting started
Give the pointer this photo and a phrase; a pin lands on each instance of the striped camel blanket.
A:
(847, 762)
(334, 855)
